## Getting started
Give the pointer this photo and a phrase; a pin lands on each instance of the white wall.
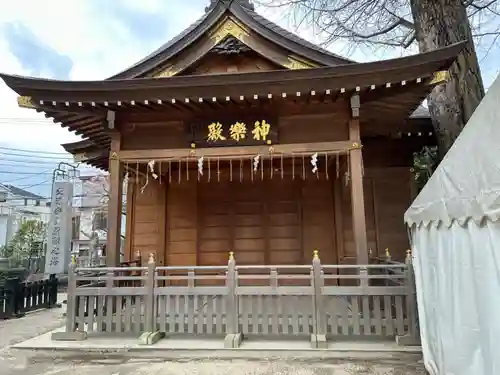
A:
(4, 219)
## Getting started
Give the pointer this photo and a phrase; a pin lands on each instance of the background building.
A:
(17, 206)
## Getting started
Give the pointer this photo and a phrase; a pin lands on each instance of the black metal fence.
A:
(19, 297)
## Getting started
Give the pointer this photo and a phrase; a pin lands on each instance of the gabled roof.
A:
(243, 11)
(21, 193)
(81, 105)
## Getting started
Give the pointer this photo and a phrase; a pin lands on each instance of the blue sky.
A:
(93, 39)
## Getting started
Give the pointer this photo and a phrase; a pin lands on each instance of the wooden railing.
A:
(236, 301)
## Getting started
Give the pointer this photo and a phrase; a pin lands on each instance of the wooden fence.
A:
(318, 302)
(19, 297)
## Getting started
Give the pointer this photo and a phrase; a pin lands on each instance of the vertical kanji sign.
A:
(59, 236)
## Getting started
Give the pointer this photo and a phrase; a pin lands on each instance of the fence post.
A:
(70, 333)
(151, 335)
(52, 285)
(233, 336)
(412, 337)
(12, 290)
(318, 338)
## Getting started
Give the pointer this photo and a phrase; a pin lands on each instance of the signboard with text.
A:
(57, 257)
(236, 132)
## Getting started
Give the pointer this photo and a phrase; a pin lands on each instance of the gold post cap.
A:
(315, 254)
(408, 254)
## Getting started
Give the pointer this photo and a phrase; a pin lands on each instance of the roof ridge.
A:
(244, 11)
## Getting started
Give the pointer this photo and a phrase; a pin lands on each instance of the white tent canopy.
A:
(455, 235)
(466, 183)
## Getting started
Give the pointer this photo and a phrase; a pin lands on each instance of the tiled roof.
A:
(22, 193)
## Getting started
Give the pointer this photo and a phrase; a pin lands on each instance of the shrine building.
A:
(239, 136)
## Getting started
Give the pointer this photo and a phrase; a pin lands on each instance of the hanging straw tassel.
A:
(151, 165)
(314, 162)
(200, 167)
(147, 182)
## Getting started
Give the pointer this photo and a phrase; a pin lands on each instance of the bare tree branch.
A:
(379, 22)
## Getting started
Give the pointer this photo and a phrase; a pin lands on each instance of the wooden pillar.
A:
(114, 203)
(357, 194)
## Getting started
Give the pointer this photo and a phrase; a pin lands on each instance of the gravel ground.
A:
(17, 362)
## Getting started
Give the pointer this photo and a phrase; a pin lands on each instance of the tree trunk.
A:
(439, 23)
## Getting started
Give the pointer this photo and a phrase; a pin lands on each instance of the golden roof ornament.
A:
(294, 64)
(229, 27)
(440, 77)
(25, 102)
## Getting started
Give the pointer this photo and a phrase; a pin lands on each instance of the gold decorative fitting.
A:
(80, 157)
(294, 64)
(151, 258)
(271, 149)
(387, 254)
(440, 77)
(25, 102)
(169, 71)
(73, 259)
(231, 255)
(192, 153)
(229, 27)
(193, 145)
(315, 254)
(113, 155)
(355, 145)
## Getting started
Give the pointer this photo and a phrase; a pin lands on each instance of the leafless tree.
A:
(429, 24)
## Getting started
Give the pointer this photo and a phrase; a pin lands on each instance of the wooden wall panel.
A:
(273, 221)
(392, 189)
(147, 220)
(387, 196)
(182, 222)
(217, 64)
(313, 128)
(318, 223)
(148, 136)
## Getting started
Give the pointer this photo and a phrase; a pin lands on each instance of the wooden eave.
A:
(82, 105)
(88, 152)
(348, 77)
(248, 18)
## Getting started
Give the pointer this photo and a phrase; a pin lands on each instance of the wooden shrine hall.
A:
(238, 136)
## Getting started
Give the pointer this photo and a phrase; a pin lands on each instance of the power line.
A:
(34, 156)
(27, 187)
(34, 151)
(30, 173)
(28, 177)
(55, 162)
(29, 165)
